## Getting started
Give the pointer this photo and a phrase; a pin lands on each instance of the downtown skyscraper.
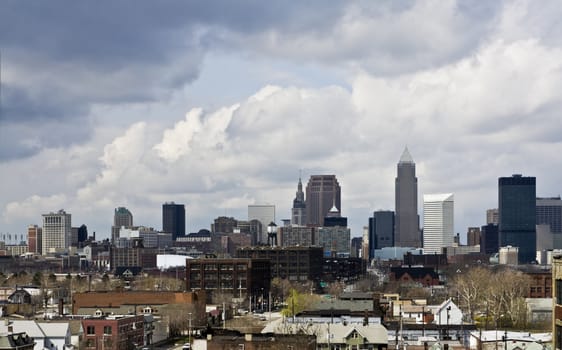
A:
(173, 219)
(407, 232)
(517, 215)
(438, 222)
(323, 192)
(298, 212)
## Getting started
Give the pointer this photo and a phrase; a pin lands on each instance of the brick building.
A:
(115, 332)
(293, 263)
(235, 340)
(426, 276)
(239, 277)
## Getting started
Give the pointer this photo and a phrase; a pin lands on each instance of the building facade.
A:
(336, 240)
(549, 212)
(489, 239)
(517, 215)
(294, 263)
(323, 192)
(34, 239)
(113, 332)
(241, 278)
(473, 236)
(298, 212)
(290, 236)
(557, 296)
(492, 216)
(381, 231)
(122, 217)
(265, 214)
(173, 219)
(57, 232)
(407, 232)
(438, 222)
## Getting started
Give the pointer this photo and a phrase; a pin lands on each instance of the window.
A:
(106, 329)
(91, 330)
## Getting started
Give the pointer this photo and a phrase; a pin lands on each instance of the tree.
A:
(471, 288)
(37, 279)
(297, 302)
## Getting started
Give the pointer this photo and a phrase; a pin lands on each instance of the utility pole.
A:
(189, 330)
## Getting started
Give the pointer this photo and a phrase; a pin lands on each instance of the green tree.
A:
(297, 302)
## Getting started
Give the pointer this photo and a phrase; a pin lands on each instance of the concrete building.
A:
(335, 240)
(473, 236)
(323, 192)
(508, 255)
(224, 224)
(492, 216)
(290, 236)
(438, 222)
(265, 214)
(57, 232)
(517, 215)
(407, 232)
(122, 217)
(173, 219)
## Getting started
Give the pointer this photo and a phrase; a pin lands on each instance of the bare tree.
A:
(471, 288)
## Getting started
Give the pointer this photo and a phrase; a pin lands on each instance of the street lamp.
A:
(272, 234)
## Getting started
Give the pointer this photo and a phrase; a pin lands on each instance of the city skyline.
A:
(207, 106)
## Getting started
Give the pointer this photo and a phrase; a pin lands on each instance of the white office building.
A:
(57, 232)
(265, 213)
(438, 222)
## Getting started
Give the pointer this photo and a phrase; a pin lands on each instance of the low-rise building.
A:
(113, 332)
(241, 278)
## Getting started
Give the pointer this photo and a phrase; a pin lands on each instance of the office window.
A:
(106, 329)
(91, 330)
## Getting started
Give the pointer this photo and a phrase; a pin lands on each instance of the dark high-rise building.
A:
(381, 231)
(82, 234)
(122, 217)
(489, 239)
(407, 231)
(298, 212)
(517, 215)
(323, 192)
(173, 219)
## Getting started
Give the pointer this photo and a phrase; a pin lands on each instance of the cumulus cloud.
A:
(472, 94)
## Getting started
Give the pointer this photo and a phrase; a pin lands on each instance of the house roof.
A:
(55, 329)
(27, 326)
(415, 272)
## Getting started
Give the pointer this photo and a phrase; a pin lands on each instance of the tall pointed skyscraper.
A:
(298, 213)
(407, 232)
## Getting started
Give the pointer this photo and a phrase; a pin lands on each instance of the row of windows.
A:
(90, 330)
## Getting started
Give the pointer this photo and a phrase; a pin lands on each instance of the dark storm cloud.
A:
(61, 57)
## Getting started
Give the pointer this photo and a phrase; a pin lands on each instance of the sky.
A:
(222, 104)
